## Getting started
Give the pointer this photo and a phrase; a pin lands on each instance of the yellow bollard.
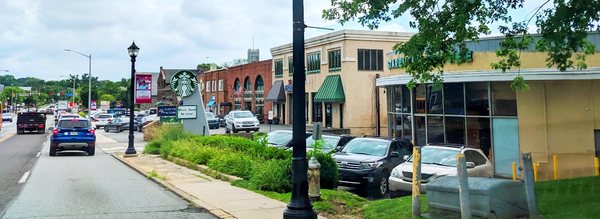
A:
(514, 170)
(535, 171)
(555, 160)
(596, 166)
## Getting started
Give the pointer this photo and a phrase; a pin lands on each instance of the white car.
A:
(437, 161)
(7, 117)
(238, 120)
(149, 119)
(103, 119)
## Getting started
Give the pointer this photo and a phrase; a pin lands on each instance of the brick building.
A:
(214, 92)
(245, 86)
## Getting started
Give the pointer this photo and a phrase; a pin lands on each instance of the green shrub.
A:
(202, 155)
(329, 170)
(272, 175)
(234, 163)
(152, 147)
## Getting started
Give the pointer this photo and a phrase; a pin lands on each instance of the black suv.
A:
(367, 162)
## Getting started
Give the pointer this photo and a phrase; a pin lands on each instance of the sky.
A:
(175, 34)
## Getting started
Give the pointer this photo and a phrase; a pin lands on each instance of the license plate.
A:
(74, 133)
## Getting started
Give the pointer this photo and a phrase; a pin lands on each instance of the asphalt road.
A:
(73, 185)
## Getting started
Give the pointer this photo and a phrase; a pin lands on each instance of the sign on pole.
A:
(184, 83)
(270, 114)
(187, 112)
(166, 111)
(93, 105)
(143, 88)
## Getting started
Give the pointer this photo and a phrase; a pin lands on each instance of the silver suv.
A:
(239, 120)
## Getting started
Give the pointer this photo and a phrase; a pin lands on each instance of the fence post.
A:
(514, 171)
(536, 167)
(463, 187)
(555, 164)
(530, 186)
(596, 166)
(416, 182)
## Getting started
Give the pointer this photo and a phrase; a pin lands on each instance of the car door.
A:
(228, 122)
(480, 169)
(394, 160)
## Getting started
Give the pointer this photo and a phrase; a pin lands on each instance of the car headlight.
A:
(370, 165)
(395, 173)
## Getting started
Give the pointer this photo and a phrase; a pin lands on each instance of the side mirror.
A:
(50, 129)
(470, 165)
(405, 157)
(394, 154)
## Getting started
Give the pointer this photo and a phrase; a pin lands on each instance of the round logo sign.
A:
(184, 83)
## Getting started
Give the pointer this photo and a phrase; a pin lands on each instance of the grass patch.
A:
(154, 174)
(570, 198)
(393, 208)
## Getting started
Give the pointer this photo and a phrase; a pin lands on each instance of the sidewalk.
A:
(219, 197)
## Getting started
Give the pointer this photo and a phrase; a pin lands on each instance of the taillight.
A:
(55, 131)
(92, 131)
(41, 126)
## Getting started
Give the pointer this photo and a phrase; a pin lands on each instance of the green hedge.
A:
(267, 167)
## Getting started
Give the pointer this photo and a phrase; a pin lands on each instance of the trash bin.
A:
(490, 198)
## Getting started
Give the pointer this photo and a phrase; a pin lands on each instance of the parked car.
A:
(150, 118)
(7, 117)
(73, 134)
(103, 119)
(239, 120)
(331, 143)
(281, 138)
(437, 161)
(221, 120)
(213, 122)
(366, 163)
(122, 123)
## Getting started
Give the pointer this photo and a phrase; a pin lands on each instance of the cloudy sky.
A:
(170, 33)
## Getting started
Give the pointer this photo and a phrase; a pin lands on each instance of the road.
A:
(73, 185)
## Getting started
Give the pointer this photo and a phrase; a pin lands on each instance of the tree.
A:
(107, 97)
(235, 62)
(444, 27)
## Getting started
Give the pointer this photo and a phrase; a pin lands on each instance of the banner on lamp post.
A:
(93, 105)
(143, 88)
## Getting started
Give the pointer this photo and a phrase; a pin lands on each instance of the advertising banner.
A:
(93, 105)
(143, 88)
(167, 111)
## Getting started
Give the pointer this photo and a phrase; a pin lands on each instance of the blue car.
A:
(73, 134)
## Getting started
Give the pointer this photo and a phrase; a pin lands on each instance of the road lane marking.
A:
(24, 177)
(38, 154)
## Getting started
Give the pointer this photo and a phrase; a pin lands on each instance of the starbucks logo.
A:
(184, 83)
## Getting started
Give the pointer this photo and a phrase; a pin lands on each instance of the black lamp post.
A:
(299, 206)
(133, 52)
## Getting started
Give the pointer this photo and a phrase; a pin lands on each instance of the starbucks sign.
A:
(184, 83)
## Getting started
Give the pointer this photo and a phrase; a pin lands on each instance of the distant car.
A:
(64, 116)
(331, 143)
(437, 161)
(281, 138)
(213, 122)
(239, 120)
(7, 117)
(73, 134)
(366, 163)
(122, 123)
(103, 119)
(149, 118)
(221, 120)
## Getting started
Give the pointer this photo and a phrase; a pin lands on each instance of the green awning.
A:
(331, 90)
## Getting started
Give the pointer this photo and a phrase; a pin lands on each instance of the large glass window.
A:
(420, 132)
(435, 129)
(478, 133)
(420, 99)
(477, 98)
(317, 111)
(406, 126)
(313, 63)
(504, 99)
(335, 60)
(405, 99)
(291, 65)
(279, 68)
(455, 130)
(397, 99)
(454, 99)
(370, 60)
(434, 99)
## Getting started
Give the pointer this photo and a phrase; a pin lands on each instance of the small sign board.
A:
(270, 114)
(169, 120)
(167, 111)
(187, 112)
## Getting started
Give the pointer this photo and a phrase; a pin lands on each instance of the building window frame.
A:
(221, 85)
(313, 63)
(334, 59)
(370, 60)
(207, 86)
(291, 66)
(278, 68)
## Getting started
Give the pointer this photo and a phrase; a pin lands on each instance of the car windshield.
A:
(210, 115)
(438, 156)
(329, 142)
(104, 116)
(279, 138)
(242, 115)
(74, 124)
(367, 146)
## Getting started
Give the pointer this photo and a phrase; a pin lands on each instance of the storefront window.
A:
(405, 99)
(397, 125)
(477, 98)
(397, 99)
(454, 99)
(478, 134)
(455, 130)
(420, 99)
(435, 129)
(434, 99)
(420, 130)
(504, 99)
(406, 126)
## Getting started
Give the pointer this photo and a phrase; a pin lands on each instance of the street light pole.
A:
(89, 79)
(133, 51)
(299, 206)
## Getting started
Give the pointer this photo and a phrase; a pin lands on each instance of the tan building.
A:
(341, 69)
(559, 116)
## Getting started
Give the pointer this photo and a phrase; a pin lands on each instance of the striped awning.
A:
(331, 90)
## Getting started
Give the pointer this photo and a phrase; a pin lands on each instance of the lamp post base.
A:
(130, 155)
(293, 213)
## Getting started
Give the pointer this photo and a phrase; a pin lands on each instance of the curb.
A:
(7, 137)
(203, 169)
(190, 198)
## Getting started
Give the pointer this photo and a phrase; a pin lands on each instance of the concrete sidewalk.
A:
(219, 197)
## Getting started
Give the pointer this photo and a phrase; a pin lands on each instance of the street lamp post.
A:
(89, 79)
(299, 206)
(133, 51)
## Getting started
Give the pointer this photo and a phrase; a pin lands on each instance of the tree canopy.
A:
(444, 27)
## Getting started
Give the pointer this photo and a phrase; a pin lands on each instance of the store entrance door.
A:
(328, 115)
(506, 145)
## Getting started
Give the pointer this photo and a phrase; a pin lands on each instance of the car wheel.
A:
(119, 129)
(91, 151)
(247, 131)
(383, 186)
(233, 130)
(97, 127)
(52, 150)
(227, 130)
(106, 129)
